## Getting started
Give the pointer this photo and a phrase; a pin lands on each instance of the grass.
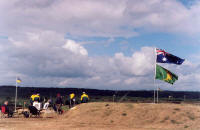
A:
(65, 108)
(190, 116)
(107, 113)
(107, 105)
(93, 110)
(175, 122)
(177, 109)
(165, 119)
(130, 106)
(124, 114)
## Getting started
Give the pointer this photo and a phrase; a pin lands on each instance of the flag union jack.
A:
(165, 57)
(161, 56)
(160, 52)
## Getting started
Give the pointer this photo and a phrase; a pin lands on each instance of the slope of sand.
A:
(116, 116)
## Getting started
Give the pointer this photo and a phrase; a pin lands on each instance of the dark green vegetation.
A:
(24, 93)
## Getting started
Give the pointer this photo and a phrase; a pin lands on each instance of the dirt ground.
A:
(114, 116)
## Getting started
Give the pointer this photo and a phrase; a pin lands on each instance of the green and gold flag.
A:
(165, 75)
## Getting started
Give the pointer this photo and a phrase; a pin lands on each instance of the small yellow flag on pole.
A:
(18, 80)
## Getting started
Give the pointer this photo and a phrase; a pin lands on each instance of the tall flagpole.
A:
(157, 93)
(155, 75)
(16, 95)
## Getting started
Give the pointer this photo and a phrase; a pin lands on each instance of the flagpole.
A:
(154, 92)
(155, 75)
(16, 95)
(157, 93)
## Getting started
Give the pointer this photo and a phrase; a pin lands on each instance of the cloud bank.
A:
(106, 18)
(48, 59)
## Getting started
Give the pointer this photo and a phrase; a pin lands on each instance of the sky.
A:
(100, 44)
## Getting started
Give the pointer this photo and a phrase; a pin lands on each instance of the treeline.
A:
(25, 92)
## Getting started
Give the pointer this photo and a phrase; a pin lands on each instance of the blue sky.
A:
(188, 3)
(173, 43)
(103, 44)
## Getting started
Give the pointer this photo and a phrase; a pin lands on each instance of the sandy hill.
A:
(116, 116)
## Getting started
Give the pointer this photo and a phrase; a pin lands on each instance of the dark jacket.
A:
(59, 100)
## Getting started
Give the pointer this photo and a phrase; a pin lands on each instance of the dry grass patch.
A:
(165, 119)
(175, 122)
(177, 109)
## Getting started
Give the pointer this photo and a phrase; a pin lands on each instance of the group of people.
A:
(72, 99)
(35, 101)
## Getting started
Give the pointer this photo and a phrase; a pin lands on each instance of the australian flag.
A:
(165, 57)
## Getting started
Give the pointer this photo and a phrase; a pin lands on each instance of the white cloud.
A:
(41, 60)
(62, 61)
(66, 82)
(45, 55)
(130, 81)
(141, 62)
(115, 81)
(75, 48)
(107, 18)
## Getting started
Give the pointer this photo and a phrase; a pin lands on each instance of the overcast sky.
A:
(101, 44)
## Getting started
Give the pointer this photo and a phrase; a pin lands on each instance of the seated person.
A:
(34, 97)
(37, 105)
(6, 110)
(34, 111)
(46, 105)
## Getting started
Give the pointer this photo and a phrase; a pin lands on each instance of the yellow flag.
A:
(18, 80)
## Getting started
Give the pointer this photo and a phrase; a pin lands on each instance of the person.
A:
(46, 105)
(33, 111)
(25, 105)
(35, 97)
(72, 100)
(6, 110)
(37, 105)
(58, 104)
(84, 98)
(32, 98)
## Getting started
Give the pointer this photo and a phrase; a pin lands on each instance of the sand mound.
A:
(117, 116)
(129, 115)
